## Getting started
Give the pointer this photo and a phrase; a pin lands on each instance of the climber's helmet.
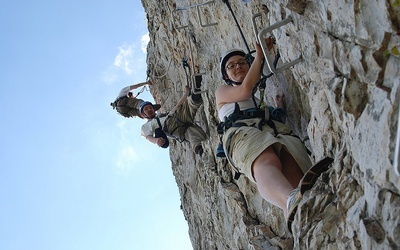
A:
(143, 104)
(224, 58)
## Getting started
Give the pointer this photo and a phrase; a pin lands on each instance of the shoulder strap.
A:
(158, 121)
(162, 115)
(159, 132)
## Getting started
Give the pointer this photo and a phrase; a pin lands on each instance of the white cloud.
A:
(127, 154)
(126, 157)
(125, 58)
(110, 76)
(145, 41)
(129, 64)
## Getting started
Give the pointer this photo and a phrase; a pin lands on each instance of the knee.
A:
(268, 158)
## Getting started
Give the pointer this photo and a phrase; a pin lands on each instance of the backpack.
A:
(127, 107)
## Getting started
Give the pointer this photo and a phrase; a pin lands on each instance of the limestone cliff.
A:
(342, 99)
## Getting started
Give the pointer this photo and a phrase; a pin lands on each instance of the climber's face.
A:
(148, 111)
(237, 68)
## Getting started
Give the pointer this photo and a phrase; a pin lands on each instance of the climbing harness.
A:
(181, 124)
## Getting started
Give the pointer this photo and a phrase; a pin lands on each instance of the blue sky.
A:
(75, 174)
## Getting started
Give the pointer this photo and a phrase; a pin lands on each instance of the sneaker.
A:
(311, 176)
(293, 200)
(199, 150)
(198, 79)
(306, 183)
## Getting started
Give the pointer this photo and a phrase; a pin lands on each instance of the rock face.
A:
(342, 99)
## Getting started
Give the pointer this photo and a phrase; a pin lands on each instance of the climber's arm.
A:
(159, 141)
(181, 101)
(135, 86)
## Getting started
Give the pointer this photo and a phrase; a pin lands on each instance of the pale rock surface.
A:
(343, 97)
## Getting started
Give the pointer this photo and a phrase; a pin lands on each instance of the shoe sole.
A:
(292, 213)
(311, 176)
(307, 182)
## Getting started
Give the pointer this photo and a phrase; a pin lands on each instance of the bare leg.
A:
(290, 168)
(280, 101)
(271, 183)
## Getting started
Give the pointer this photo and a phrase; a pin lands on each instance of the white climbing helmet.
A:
(225, 57)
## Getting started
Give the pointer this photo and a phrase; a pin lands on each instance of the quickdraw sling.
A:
(181, 124)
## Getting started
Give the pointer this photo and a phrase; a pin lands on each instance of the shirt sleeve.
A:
(148, 128)
(124, 92)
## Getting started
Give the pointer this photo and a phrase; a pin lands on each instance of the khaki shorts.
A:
(249, 142)
(176, 123)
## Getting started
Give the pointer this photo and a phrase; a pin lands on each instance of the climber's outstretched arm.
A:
(181, 101)
(135, 86)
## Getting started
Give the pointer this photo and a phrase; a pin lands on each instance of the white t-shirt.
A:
(124, 92)
(151, 125)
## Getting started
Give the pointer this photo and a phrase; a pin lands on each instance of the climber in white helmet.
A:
(257, 145)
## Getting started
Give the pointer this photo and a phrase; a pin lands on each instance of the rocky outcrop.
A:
(342, 99)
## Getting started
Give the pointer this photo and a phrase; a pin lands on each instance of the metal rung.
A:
(198, 12)
(253, 19)
(269, 58)
(397, 149)
(193, 77)
(194, 90)
(173, 21)
(197, 6)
